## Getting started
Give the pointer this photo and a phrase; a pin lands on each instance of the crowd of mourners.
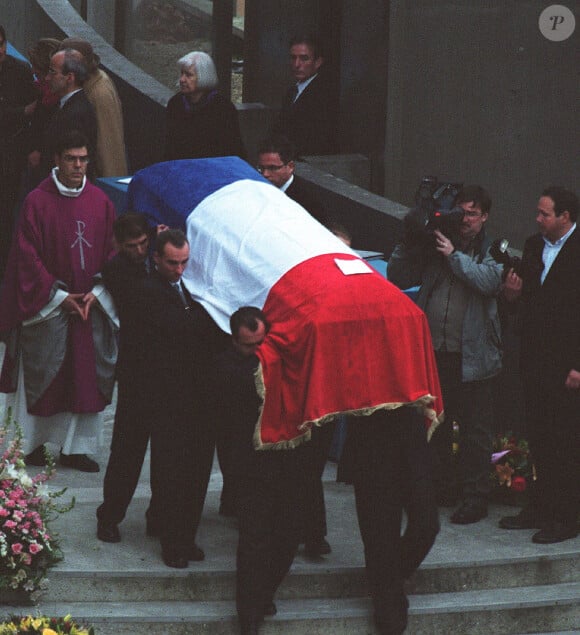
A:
(90, 298)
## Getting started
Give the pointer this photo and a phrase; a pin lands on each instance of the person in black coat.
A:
(66, 74)
(547, 286)
(183, 341)
(309, 112)
(18, 96)
(271, 485)
(277, 164)
(201, 122)
(123, 277)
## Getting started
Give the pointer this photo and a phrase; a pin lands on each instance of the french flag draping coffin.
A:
(343, 339)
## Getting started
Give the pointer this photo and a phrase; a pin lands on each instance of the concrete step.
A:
(158, 583)
(550, 608)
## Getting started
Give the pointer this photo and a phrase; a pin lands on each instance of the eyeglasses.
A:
(473, 214)
(270, 168)
(69, 158)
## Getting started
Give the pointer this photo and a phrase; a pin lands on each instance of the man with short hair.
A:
(270, 484)
(110, 154)
(309, 110)
(17, 104)
(276, 162)
(183, 341)
(66, 75)
(123, 277)
(459, 283)
(547, 287)
(53, 293)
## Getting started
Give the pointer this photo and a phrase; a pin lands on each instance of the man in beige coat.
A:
(101, 92)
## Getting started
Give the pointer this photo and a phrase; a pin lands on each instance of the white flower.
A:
(9, 472)
(43, 490)
(25, 480)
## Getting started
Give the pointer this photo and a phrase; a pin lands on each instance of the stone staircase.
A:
(477, 580)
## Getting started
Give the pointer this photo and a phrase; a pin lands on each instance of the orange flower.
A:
(504, 474)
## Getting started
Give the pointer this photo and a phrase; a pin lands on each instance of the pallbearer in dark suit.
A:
(271, 485)
(123, 277)
(548, 289)
(309, 109)
(183, 340)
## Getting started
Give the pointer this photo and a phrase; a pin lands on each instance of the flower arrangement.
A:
(512, 463)
(42, 625)
(27, 546)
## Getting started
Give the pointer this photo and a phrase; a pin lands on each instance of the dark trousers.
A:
(471, 405)
(390, 469)
(553, 425)
(225, 435)
(131, 432)
(315, 509)
(182, 445)
(270, 514)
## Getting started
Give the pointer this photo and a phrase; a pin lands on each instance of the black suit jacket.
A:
(76, 114)
(550, 313)
(297, 192)
(123, 279)
(310, 122)
(182, 344)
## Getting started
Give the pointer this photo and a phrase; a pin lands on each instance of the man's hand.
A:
(443, 244)
(87, 303)
(512, 286)
(30, 108)
(573, 380)
(73, 304)
(78, 304)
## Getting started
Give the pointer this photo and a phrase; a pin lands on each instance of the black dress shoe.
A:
(174, 559)
(316, 548)
(270, 609)
(555, 532)
(195, 554)
(108, 532)
(469, 512)
(37, 457)
(80, 462)
(528, 518)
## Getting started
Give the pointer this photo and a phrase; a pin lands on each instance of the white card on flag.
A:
(350, 267)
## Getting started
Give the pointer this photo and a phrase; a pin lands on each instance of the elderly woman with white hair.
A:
(201, 122)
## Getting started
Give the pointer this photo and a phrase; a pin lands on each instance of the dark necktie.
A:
(293, 93)
(177, 287)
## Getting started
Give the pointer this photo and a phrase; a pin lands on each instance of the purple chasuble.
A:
(65, 240)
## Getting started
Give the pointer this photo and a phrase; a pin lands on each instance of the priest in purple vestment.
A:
(56, 317)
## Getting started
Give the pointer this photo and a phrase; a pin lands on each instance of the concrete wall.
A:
(375, 222)
(477, 93)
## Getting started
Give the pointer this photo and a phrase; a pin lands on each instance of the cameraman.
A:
(459, 284)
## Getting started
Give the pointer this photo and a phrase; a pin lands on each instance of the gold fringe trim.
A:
(423, 404)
